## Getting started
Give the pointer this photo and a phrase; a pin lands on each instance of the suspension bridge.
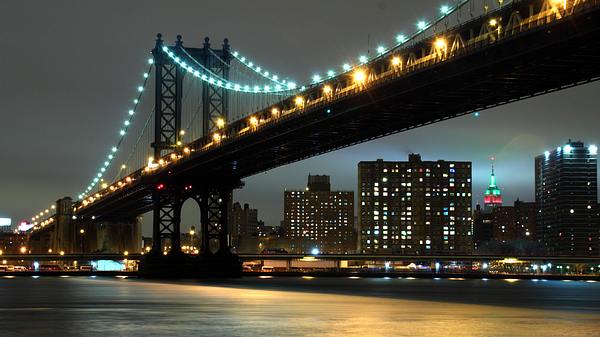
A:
(217, 117)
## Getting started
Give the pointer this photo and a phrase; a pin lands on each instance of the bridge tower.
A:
(212, 195)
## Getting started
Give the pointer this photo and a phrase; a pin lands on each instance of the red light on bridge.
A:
(160, 186)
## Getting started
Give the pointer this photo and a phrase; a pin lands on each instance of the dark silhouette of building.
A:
(514, 222)
(244, 221)
(415, 207)
(320, 219)
(482, 226)
(13, 243)
(567, 200)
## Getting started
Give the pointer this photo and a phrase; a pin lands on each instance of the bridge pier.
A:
(166, 260)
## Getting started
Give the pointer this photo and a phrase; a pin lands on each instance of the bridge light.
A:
(150, 61)
(182, 132)
(186, 150)
(299, 101)
(327, 90)
(122, 132)
(220, 123)
(254, 121)
(274, 112)
(126, 123)
(396, 61)
(128, 179)
(568, 149)
(145, 75)
(440, 43)
(161, 162)
(593, 150)
(421, 25)
(363, 59)
(401, 38)
(105, 185)
(62, 252)
(359, 76)
(381, 49)
(216, 137)
(160, 186)
(316, 78)
(557, 3)
(140, 88)
(445, 9)
(346, 67)
(114, 149)
(330, 73)
(493, 22)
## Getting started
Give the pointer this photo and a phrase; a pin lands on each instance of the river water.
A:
(252, 306)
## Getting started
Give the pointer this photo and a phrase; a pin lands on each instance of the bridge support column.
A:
(216, 258)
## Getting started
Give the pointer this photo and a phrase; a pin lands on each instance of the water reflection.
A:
(294, 307)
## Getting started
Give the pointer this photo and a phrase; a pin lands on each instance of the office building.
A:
(493, 194)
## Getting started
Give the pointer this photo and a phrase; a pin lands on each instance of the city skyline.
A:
(36, 176)
(300, 168)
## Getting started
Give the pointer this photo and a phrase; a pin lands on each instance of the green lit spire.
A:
(493, 195)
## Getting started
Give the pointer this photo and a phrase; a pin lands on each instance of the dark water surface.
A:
(85, 306)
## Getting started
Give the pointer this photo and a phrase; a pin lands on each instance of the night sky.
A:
(68, 70)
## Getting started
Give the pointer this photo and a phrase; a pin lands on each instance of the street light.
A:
(82, 232)
(192, 233)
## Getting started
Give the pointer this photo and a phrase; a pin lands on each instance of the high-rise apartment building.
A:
(318, 219)
(566, 196)
(415, 207)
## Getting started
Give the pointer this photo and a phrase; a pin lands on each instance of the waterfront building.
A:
(415, 207)
(567, 200)
(319, 220)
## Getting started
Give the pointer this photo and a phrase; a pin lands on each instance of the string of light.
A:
(122, 133)
(401, 39)
(211, 78)
(258, 69)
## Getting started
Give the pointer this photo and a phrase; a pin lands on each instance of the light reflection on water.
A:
(296, 307)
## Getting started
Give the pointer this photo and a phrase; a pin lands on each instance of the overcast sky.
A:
(67, 69)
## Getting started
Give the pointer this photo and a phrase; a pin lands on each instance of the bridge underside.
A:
(550, 58)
